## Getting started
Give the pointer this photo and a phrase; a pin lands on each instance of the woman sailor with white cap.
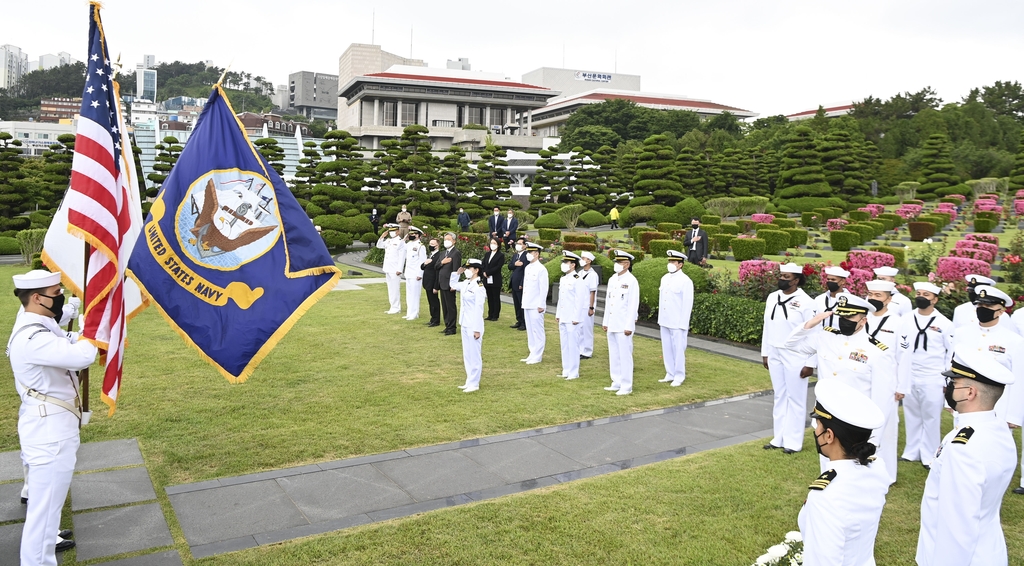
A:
(900, 304)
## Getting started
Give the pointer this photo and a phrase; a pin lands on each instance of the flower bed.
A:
(956, 268)
(763, 218)
(869, 260)
(855, 282)
(836, 224)
(983, 238)
(1018, 207)
(909, 211)
(980, 255)
(978, 245)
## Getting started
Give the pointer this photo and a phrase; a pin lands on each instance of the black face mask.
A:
(847, 326)
(784, 284)
(816, 445)
(950, 388)
(922, 302)
(879, 305)
(56, 306)
(694, 226)
(985, 315)
(832, 286)
(971, 295)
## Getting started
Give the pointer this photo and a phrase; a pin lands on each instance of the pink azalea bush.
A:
(978, 245)
(1019, 194)
(834, 224)
(763, 218)
(757, 268)
(990, 238)
(909, 211)
(869, 260)
(1018, 207)
(960, 198)
(947, 208)
(954, 269)
(876, 208)
(980, 255)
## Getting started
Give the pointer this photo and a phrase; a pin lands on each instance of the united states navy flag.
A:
(227, 254)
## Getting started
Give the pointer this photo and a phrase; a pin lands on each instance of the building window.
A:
(443, 123)
(409, 113)
(476, 115)
(497, 116)
(390, 113)
(43, 136)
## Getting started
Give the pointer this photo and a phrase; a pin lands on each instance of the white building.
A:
(145, 84)
(13, 64)
(35, 137)
(143, 112)
(49, 61)
(831, 111)
(576, 81)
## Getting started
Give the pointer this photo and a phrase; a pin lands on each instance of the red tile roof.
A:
(815, 111)
(454, 80)
(665, 101)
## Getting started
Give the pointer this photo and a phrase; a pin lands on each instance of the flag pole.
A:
(83, 376)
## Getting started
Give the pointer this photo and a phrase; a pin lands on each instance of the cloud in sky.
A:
(768, 56)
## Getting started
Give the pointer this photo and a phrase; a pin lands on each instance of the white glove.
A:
(75, 302)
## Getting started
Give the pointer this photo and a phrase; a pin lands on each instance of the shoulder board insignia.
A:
(832, 330)
(963, 436)
(877, 343)
(575, 275)
(823, 480)
(479, 283)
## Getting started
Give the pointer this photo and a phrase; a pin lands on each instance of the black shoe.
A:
(433, 324)
(516, 325)
(65, 545)
(450, 333)
(902, 459)
(523, 328)
(582, 357)
(1019, 491)
(788, 451)
(927, 467)
(66, 533)
(771, 446)
(24, 501)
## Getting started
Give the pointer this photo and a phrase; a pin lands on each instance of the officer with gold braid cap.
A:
(839, 520)
(969, 475)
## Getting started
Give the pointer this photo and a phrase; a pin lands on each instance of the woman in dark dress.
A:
(491, 276)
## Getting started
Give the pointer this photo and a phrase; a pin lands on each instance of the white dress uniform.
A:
(592, 281)
(471, 319)
(535, 296)
(884, 329)
(970, 473)
(573, 300)
(967, 315)
(825, 302)
(621, 306)
(859, 361)
(415, 255)
(900, 304)
(675, 303)
(1007, 348)
(924, 351)
(839, 519)
(782, 314)
(394, 263)
(44, 360)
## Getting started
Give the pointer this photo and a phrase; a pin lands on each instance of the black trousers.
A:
(517, 303)
(435, 306)
(493, 300)
(448, 306)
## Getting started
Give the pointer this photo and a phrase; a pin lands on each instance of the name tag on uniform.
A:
(859, 357)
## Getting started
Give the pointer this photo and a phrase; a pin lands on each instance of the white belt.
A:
(73, 406)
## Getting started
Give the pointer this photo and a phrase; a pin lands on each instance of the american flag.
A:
(100, 208)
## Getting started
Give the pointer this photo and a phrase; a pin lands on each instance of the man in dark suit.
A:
(696, 243)
(430, 283)
(450, 260)
(511, 226)
(517, 265)
(491, 266)
(496, 225)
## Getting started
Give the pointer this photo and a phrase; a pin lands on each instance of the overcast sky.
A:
(767, 56)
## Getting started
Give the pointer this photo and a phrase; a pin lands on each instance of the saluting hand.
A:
(817, 319)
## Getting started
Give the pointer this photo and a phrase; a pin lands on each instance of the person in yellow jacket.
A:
(614, 216)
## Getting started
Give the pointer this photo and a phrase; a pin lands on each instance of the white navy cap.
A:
(415, 229)
(848, 304)
(473, 262)
(975, 279)
(676, 255)
(926, 286)
(837, 271)
(878, 285)
(566, 254)
(36, 279)
(991, 296)
(587, 256)
(980, 366)
(791, 268)
(837, 401)
(534, 246)
(619, 254)
(886, 271)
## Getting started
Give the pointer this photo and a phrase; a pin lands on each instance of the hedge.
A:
(712, 229)
(775, 241)
(667, 227)
(570, 237)
(9, 246)
(811, 220)
(843, 240)
(866, 232)
(649, 273)
(549, 220)
(947, 218)
(825, 213)
(659, 247)
(336, 240)
(593, 218)
(921, 230)
(727, 317)
(580, 246)
(728, 228)
(879, 227)
(646, 237)
(548, 233)
(710, 220)
(935, 220)
(747, 248)
(797, 236)
(808, 204)
(859, 215)
(784, 223)
(951, 200)
(896, 219)
(635, 231)
(984, 224)
(721, 242)
(898, 254)
(987, 214)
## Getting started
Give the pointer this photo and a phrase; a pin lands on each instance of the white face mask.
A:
(494, 246)
(394, 234)
(470, 273)
(496, 213)
(566, 267)
(534, 256)
(448, 243)
(619, 268)
(510, 215)
(519, 248)
(672, 267)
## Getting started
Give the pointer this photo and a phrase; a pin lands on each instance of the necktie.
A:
(921, 333)
(780, 303)
(880, 325)
(694, 235)
(828, 307)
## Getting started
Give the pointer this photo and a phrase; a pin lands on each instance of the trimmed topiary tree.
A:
(866, 232)
(843, 240)
(937, 168)
(984, 224)
(747, 248)
(728, 228)
(797, 236)
(659, 247)
(549, 234)
(920, 230)
(710, 220)
(776, 241)
(646, 237)
(801, 173)
(784, 223)
(1017, 173)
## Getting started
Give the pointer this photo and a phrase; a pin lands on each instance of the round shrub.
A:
(784, 223)
(728, 228)
(921, 230)
(579, 246)
(710, 220)
(747, 248)
(549, 233)
(9, 246)
(649, 273)
(336, 240)
(592, 218)
(775, 241)
(797, 236)
(866, 232)
(859, 215)
(843, 240)
(811, 219)
(313, 210)
(668, 227)
(646, 237)
(689, 208)
(659, 247)
(984, 224)
(720, 242)
(576, 237)
(549, 220)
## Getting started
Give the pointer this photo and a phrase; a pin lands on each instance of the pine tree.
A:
(767, 170)
(937, 169)
(731, 175)
(165, 160)
(416, 167)
(625, 171)
(491, 176)
(454, 176)
(14, 198)
(842, 164)
(1017, 173)
(691, 173)
(272, 152)
(604, 178)
(549, 181)
(57, 171)
(655, 172)
(800, 171)
(306, 175)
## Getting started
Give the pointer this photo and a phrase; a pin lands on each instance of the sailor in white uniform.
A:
(415, 255)
(835, 279)
(592, 281)
(785, 310)
(394, 263)
(471, 319)
(675, 303)
(621, 308)
(924, 351)
(839, 519)
(570, 313)
(44, 360)
(883, 325)
(964, 492)
(966, 314)
(535, 301)
(900, 304)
